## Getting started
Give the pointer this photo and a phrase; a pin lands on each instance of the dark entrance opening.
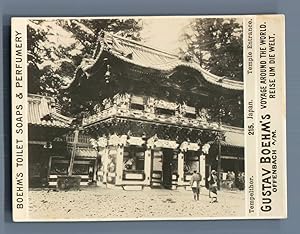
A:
(167, 165)
(38, 166)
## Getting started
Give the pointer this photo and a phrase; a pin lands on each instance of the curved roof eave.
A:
(83, 68)
(209, 77)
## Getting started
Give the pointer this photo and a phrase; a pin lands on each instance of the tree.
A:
(217, 45)
(57, 47)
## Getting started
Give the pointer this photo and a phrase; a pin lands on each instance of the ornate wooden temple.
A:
(153, 117)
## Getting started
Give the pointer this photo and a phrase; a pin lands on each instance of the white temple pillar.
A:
(105, 162)
(119, 166)
(180, 168)
(147, 167)
(95, 170)
(202, 169)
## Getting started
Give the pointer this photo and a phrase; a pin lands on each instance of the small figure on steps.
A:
(213, 186)
(195, 184)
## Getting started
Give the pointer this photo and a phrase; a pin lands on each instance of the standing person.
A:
(213, 186)
(231, 180)
(195, 184)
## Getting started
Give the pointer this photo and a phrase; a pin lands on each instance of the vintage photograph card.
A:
(148, 118)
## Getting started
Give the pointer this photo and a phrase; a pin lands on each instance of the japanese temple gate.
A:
(151, 114)
(134, 157)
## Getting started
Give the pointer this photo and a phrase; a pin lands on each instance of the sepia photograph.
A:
(135, 118)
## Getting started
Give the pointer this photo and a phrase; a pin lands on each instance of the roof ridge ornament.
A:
(221, 79)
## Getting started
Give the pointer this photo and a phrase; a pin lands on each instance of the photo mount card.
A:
(148, 118)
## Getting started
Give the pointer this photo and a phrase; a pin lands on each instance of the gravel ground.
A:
(99, 203)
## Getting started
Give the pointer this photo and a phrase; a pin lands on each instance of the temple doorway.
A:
(167, 168)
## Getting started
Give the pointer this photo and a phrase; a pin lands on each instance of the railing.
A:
(177, 119)
(81, 139)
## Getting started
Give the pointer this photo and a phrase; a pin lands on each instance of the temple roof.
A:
(234, 137)
(135, 53)
(42, 112)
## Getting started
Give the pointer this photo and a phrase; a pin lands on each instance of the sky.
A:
(165, 33)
